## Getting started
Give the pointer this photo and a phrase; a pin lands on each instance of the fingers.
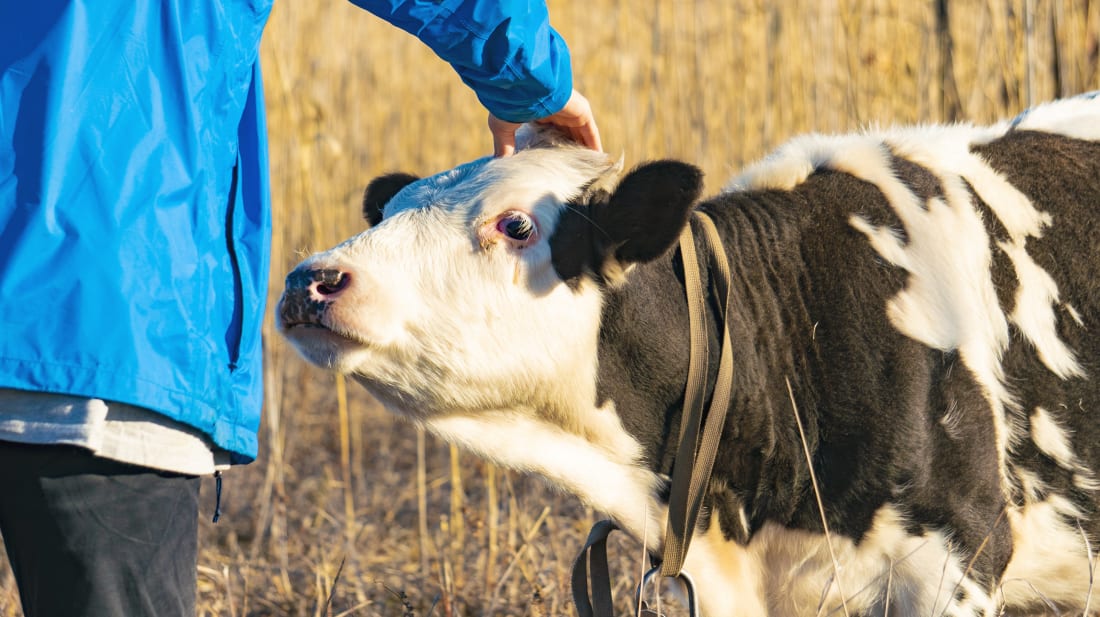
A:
(589, 135)
(575, 119)
(578, 121)
(504, 136)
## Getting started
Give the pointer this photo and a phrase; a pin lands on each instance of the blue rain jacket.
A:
(134, 207)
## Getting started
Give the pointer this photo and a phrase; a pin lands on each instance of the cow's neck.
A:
(644, 356)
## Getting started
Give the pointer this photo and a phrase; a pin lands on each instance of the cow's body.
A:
(931, 297)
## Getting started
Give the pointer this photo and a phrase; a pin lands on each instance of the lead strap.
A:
(697, 446)
(217, 496)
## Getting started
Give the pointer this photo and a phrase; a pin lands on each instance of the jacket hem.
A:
(127, 387)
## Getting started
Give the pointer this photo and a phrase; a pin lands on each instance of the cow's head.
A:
(480, 288)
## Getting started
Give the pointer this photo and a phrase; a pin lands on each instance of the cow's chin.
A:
(327, 349)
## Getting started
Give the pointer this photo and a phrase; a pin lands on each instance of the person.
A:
(134, 233)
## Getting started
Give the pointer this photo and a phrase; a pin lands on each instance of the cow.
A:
(924, 301)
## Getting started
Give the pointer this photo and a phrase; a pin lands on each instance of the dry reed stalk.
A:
(817, 496)
(1060, 71)
(446, 571)
(851, 30)
(492, 526)
(354, 610)
(458, 517)
(273, 463)
(1006, 34)
(511, 530)
(517, 555)
(221, 578)
(422, 499)
(889, 585)
(1092, 566)
(973, 558)
(326, 610)
(345, 461)
(1029, 52)
(279, 540)
(950, 105)
(643, 561)
(245, 592)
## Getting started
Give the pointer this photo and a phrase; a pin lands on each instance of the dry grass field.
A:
(348, 512)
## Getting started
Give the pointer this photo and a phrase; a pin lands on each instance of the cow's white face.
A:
(452, 302)
(473, 307)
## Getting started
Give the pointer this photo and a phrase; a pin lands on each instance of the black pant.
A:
(87, 536)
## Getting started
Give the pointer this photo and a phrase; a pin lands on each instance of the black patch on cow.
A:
(1002, 272)
(573, 244)
(724, 498)
(380, 191)
(637, 223)
(644, 349)
(922, 182)
(649, 207)
(643, 356)
(957, 483)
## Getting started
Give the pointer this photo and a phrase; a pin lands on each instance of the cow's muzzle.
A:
(308, 294)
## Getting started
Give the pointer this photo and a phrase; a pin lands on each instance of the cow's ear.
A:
(644, 215)
(380, 191)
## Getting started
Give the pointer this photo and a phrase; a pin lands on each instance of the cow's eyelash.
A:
(516, 225)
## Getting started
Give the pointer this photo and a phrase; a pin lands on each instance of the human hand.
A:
(575, 120)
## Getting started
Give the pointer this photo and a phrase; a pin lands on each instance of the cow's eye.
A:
(516, 225)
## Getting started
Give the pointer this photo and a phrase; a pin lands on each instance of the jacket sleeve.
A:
(505, 50)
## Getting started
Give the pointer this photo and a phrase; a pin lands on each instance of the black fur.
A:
(380, 191)
(637, 223)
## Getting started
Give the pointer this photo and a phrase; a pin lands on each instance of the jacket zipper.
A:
(236, 323)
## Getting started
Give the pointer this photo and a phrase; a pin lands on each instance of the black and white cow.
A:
(931, 295)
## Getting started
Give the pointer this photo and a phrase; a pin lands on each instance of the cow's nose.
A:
(320, 284)
(309, 291)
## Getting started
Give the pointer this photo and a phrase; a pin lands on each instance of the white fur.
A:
(1034, 314)
(789, 573)
(1054, 441)
(728, 577)
(467, 324)
(1073, 117)
(479, 342)
(600, 466)
(793, 162)
(1050, 558)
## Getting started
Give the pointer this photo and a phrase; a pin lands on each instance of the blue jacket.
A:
(134, 206)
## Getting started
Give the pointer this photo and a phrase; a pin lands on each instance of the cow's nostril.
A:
(329, 282)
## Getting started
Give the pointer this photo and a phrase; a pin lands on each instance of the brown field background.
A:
(348, 512)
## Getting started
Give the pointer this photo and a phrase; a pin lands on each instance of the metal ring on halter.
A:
(684, 577)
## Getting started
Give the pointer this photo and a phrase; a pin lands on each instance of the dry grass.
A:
(339, 516)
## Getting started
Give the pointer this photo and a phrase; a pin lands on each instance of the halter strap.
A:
(699, 437)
